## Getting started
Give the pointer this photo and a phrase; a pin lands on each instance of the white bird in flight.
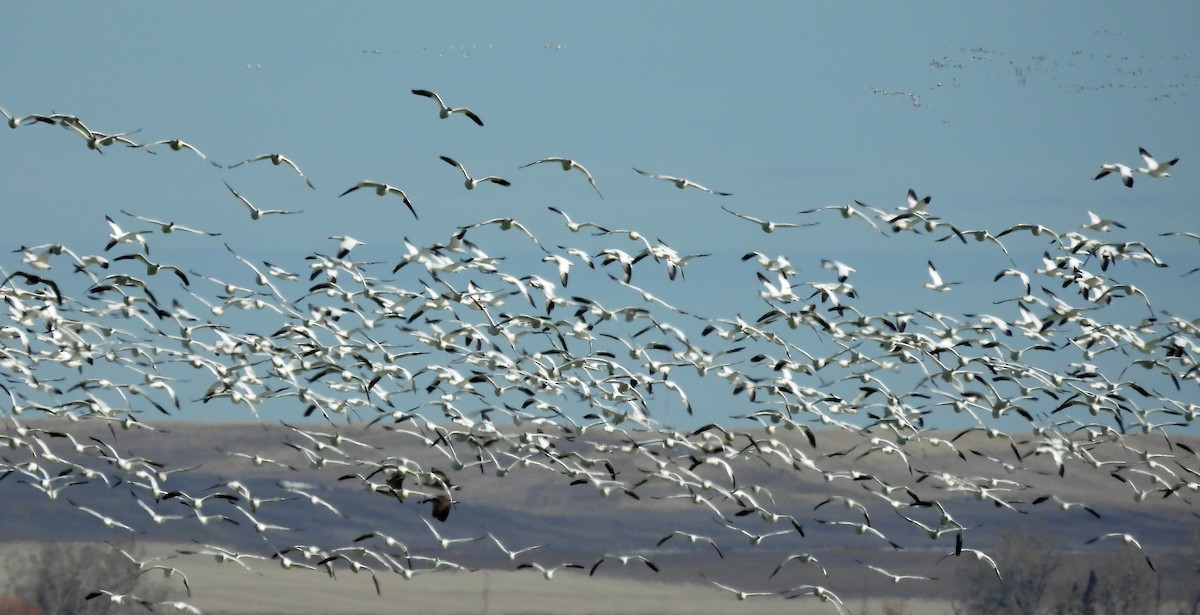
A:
(347, 243)
(119, 235)
(381, 190)
(470, 183)
(97, 140)
(121, 599)
(1153, 167)
(14, 121)
(843, 270)
(681, 183)
(180, 144)
(168, 227)
(767, 226)
(849, 211)
(818, 592)
(446, 111)
(548, 573)
(1126, 539)
(276, 159)
(108, 522)
(936, 282)
(256, 213)
(915, 204)
(575, 227)
(567, 165)
(896, 578)
(152, 268)
(512, 553)
(740, 594)
(1102, 225)
(1109, 167)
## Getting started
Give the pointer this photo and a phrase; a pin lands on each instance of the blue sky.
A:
(1001, 112)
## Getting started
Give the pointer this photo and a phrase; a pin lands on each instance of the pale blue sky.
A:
(783, 104)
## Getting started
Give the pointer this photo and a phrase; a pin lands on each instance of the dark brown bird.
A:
(36, 279)
(442, 502)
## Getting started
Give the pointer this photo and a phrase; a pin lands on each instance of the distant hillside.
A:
(537, 506)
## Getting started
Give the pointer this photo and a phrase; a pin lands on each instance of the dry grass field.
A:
(226, 588)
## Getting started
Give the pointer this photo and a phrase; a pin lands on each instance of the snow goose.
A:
(767, 226)
(1100, 225)
(849, 211)
(381, 190)
(119, 235)
(222, 555)
(979, 556)
(14, 121)
(179, 606)
(624, 559)
(444, 542)
(152, 268)
(1153, 167)
(818, 592)
(754, 538)
(108, 522)
(1065, 505)
(446, 111)
(692, 539)
(803, 558)
(843, 270)
(1036, 229)
(860, 529)
(896, 578)
(256, 213)
(741, 595)
(567, 165)
(1127, 539)
(512, 553)
(121, 599)
(96, 140)
(180, 144)
(915, 204)
(169, 227)
(346, 244)
(681, 183)
(276, 159)
(936, 282)
(470, 182)
(548, 573)
(1126, 172)
(148, 565)
(575, 227)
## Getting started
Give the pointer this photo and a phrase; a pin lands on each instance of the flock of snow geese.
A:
(496, 371)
